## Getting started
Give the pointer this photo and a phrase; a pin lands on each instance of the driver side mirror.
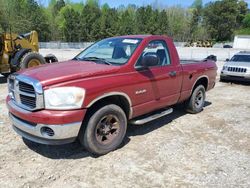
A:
(227, 59)
(148, 61)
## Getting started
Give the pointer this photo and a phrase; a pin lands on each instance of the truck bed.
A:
(189, 61)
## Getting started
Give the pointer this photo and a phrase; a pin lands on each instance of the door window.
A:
(158, 48)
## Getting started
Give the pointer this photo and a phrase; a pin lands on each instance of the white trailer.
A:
(242, 41)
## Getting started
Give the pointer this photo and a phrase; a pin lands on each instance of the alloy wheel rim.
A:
(107, 129)
(33, 63)
(199, 99)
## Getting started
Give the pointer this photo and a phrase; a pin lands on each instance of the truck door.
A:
(166, 75)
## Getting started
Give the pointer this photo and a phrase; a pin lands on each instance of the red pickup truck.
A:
(93, 96)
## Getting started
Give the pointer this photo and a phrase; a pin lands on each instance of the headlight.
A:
(224, 68)
(64, 98)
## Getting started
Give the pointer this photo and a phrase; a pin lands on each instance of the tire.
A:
(31, 59)
(99, 138)
(196, 102)
(222, 80)
(6, 74)
(50, 58)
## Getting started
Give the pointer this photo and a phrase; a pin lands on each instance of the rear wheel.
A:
(31, 59)
(197, 100)
(105, 130)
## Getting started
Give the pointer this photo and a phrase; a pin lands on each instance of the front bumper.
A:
(35, 126)
(227, 77)
(62, 133)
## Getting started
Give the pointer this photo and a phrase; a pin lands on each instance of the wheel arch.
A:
(202, 80)
(119, 98)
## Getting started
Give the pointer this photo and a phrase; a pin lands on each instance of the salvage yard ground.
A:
(210, 149)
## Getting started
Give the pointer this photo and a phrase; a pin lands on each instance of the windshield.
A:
(241, 58)
(114, 51)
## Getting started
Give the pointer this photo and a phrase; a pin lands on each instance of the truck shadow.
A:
(179, 110)
(76, 151)
(66, 151)
(3, 80)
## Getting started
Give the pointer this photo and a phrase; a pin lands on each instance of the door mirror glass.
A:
(150, 60)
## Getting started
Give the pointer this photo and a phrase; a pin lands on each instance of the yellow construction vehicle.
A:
(20, 52)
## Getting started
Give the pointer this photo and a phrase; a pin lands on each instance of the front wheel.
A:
(196, 102)
(105, 130)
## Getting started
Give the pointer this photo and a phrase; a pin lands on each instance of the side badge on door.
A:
(140, 91)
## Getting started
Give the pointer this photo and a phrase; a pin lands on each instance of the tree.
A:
(126, 23)
(178, 19)
(140, 20)
(195, 22)
(108, 22)
(243, 10)
(71, 24)
(3, 19)
(163, 23)
(90, 21)
(25, 15)
(37, 19)
(246, 21)
(220, 18)
(58, 6)
(66, 20)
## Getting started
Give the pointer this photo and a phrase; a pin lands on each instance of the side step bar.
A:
(151, 117)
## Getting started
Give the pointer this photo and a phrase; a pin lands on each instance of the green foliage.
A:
(243, 10)
(108, 22)
(178, 23)
(195, 23)
(58, 5)
(223, 17)
(65, 20)
(22, 16)
(71, 24)
(3, 20)
(246, 21)
(127, 23)
(244, 31)
(37, 18)
(90, 22)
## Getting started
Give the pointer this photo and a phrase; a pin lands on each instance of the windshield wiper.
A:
(95, 59)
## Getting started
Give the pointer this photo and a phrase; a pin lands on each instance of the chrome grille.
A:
(28, 101)
(26, 88)
(25, 92)
(237, 69)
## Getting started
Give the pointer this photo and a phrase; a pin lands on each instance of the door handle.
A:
(172, 73)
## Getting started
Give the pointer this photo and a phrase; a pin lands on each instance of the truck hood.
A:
(237, 64)
(50, 74)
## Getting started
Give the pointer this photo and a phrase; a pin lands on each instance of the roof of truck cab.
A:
(138, 36)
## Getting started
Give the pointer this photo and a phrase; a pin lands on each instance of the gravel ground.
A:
(209, 149)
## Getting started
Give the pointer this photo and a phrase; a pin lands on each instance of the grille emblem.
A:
(26, 92)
